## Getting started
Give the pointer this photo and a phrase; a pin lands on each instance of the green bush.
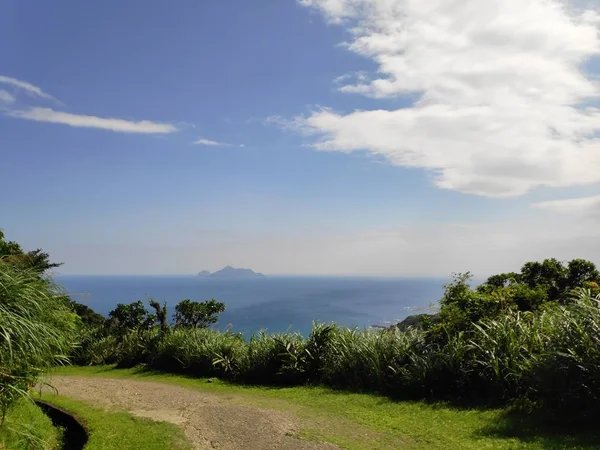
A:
(567, 374)
(199, 351)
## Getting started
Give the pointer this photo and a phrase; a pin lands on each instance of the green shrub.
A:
(567, 375)
(276, 359)
(95, 347)
(199, 351)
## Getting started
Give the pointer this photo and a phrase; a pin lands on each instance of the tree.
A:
(161, 314)
(461, 306)
(9, 248)
(89, 317)
(38, 260)
(128, 317)
(495, 282)
(540, 282)
(197, 314)
(549, 274)
(580, 272)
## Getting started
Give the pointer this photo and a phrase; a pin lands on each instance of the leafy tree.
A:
(498, 281)
(580, 272)
(161, 314)
(128, 317)
(461, 305)
(9, 248)
(524, 298)
(550, 274)
(38, 261)
(197, 314)
(12, 253)
(536, 284)
(89, 317)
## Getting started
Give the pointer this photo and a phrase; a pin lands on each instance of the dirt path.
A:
(210, 421)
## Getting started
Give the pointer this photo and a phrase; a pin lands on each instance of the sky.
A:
(325, 137)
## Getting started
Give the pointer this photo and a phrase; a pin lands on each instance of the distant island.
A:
(232, 272)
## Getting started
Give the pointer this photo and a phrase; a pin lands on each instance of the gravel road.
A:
(210, 421)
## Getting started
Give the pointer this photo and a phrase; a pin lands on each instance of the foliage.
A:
(549, 280)
(197, 314)
(89, 317)
(36, 260)
(125, 318)
(161, 314)
(37, 331)
(462, 306)
(96, 346)
(537, 284)
(519, 336)
(516, 355)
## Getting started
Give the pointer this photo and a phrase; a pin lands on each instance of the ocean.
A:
(274, 303)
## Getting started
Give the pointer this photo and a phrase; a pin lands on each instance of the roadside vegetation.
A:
(37, 331)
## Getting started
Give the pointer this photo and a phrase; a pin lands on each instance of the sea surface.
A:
(273, 303)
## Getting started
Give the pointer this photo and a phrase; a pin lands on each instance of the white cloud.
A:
(6, 97)
(28, 87)
(80, 120)
(500, 87)
(360, 76)
(584, 206)
(209, 143)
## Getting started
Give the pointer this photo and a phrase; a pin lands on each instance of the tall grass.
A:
(551, 357)
(36, 332)
(28, 428)
(567, 375)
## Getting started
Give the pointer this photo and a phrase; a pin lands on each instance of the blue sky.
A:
(308, 137)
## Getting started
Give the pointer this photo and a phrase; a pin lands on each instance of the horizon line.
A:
(266, 275)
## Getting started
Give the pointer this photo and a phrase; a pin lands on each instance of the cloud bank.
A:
(504, 104)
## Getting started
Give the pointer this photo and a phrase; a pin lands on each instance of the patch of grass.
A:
(26, 428)
(364, 421)
(111, 430)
